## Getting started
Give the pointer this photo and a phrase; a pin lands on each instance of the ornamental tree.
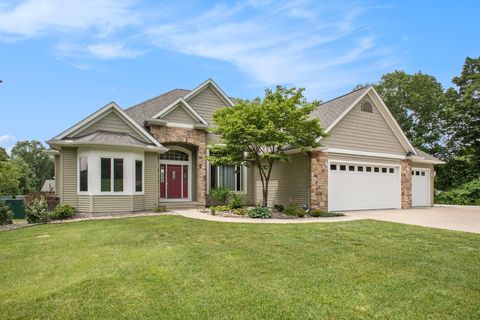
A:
(259, 132)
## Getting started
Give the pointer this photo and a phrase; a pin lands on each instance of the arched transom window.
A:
(174, 155)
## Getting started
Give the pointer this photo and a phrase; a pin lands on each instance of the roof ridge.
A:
(343, 95)
(156, 97)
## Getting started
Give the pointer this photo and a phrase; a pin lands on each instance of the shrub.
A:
(279, 207)
(160, 209)
(260, 212)
(295, 211)
(37, 210)
(215, 209)
(62, 211)
(466, 194)
(220, 194)
(324, 214)
(236, 201)
(240, 211)
(6, 215)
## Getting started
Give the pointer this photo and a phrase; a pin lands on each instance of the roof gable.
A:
(109, 118)
(213, 86)
(180, 102)
(333, 111)
(364, 131)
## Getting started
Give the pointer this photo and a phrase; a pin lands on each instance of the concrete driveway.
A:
(457, 218)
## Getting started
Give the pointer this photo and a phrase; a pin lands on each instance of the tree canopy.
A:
(258, 132)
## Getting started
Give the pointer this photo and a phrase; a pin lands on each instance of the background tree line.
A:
(25, 169)
(445, 123)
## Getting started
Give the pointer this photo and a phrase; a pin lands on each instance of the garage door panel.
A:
(420, 187)
(357, 190)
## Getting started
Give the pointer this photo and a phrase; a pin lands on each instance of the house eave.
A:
(67, 143)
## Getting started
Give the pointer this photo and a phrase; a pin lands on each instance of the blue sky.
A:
(62, 60)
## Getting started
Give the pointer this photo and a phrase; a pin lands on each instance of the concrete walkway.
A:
(451, 218)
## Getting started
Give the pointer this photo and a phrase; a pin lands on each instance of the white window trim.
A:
(79, 192)
(112, 178)
(135, 192)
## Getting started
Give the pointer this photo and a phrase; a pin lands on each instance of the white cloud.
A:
(311, 44)
(112, 50)
(34, 18)
(6, 138)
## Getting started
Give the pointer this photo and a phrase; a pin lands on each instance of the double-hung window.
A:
(138, 175)
(111, 174)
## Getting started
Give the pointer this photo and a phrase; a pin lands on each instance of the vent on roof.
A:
(367, 107)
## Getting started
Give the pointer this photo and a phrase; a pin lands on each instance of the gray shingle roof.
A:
(110, 138)
(329, 111)
(425, 155)
(147, 109)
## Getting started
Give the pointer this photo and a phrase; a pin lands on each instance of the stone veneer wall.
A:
(406, 184)
(319, 180)
(194, 137)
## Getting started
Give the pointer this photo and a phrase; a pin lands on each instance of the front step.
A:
(182, 205)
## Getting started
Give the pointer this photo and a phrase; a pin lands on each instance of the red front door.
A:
(174, 181)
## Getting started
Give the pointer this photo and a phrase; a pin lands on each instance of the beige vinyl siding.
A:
(289, 182)
(112, 203)
(179, 115)
(364, 131)
(249, 197)
(111, 122)
(206, 102)
(138, 202)
(432, 178)
(58, 176)
(84, 203)
(69, 177)
(151, 180)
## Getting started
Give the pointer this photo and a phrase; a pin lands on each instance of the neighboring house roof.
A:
(328, 112)
(48, 186)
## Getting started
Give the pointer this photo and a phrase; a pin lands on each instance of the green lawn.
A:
(170, 267)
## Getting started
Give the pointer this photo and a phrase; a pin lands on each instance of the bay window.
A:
(111, 174)
(83, 174)
(138, 176)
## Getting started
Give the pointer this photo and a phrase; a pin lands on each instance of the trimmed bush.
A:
(37, 210)
(295, 211)
(260, 212)
(62, 211)
(324, 214)
(235, 201)
(6, 215)
(279, 207)
(220, 194)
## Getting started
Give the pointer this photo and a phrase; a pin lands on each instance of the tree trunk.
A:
(265, 194)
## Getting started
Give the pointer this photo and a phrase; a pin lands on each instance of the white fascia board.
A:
(214, 85)
(187, 108)
(362, 153)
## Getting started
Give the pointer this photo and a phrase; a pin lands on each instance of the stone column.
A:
(319, 180)
(406, 184)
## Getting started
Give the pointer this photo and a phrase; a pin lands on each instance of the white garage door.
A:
(363, 186)
(420, 187)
